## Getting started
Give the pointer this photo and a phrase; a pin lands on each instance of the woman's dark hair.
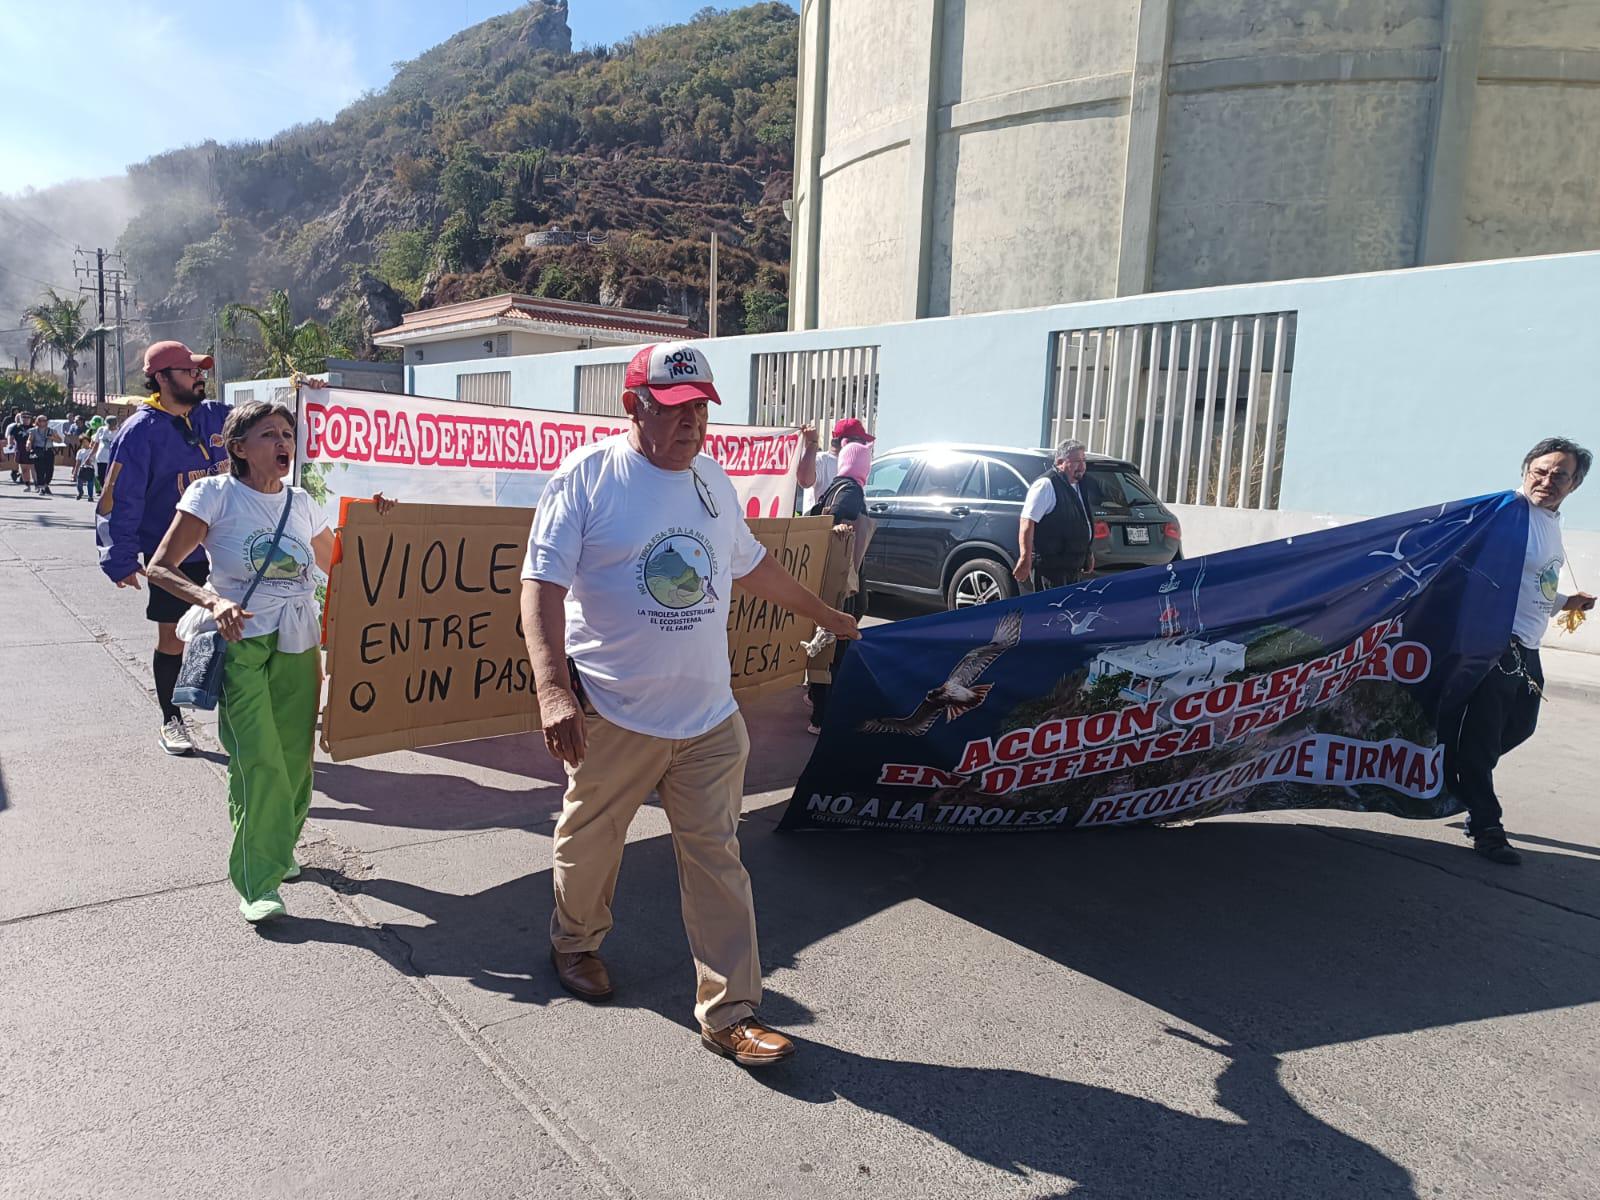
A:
(1561, 445)
(241, 420)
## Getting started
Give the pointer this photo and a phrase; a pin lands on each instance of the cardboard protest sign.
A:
(414, 448)
(425, 635)
(1312, 672)
(424, 629)
(764, 640)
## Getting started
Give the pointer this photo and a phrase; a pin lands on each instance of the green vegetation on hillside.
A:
(422, 193)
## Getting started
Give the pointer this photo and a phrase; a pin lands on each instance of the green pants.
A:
(267, 721)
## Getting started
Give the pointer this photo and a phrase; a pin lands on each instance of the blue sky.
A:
(174, 72)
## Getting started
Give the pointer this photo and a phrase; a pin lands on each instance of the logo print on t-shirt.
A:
(678, 570)
(291, 561)
(1550, 580)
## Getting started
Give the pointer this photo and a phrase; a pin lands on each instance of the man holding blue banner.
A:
(1504, 708)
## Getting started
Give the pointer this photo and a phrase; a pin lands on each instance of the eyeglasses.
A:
(197, 372)
(707, 500)
(1556, 477)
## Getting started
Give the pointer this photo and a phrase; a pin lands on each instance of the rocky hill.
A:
(424, 192)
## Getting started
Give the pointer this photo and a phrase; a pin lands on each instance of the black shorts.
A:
(165, 608)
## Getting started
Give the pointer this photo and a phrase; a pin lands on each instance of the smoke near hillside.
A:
(425, 191)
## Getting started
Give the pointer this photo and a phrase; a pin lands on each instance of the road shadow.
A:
(1112, 1145)
(374, 794)
(1271, 937)
(407, 800)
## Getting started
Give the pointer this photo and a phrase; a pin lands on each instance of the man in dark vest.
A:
(1056, 535)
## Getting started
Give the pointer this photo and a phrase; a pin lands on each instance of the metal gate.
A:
(794, 388)
(1200, 406)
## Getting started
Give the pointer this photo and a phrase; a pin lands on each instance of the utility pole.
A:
(100, 342)
(106, 270)
(712, 330)
(122, 370)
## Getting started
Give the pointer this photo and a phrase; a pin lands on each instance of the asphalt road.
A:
(1277, 1006)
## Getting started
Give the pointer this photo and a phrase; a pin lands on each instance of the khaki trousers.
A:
(701, 784)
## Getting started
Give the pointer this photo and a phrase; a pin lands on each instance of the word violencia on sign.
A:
(425, 635)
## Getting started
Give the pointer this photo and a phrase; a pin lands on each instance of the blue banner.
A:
(1312, 672)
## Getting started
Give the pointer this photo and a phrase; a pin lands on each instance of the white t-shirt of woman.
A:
(648, 570)
(240, 523)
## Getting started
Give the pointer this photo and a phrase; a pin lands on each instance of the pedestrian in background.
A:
(17, 443)
(1055, 535)
(845, 501)
(173, 439)
(42, 443)
(817, 471)
(104, 438)
(83, 471)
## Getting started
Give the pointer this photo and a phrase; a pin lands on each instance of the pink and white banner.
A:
(355, 443)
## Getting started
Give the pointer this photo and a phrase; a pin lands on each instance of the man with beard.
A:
(174, 438)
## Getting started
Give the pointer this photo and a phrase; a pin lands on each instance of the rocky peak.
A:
(545, 27)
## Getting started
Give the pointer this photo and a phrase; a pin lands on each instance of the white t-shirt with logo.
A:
(648, 571)
(241, 522)
(103, 437)
(1540, 596)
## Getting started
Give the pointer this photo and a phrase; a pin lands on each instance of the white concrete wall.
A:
(1408, 387)
(976, 155)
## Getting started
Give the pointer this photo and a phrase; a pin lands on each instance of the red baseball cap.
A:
(163, 356)
(674, 372)
(851, 427)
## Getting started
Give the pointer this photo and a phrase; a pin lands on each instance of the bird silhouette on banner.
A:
(959, 694)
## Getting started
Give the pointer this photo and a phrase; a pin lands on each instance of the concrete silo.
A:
(958, 156)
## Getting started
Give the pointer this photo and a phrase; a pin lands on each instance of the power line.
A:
(60, 287)
(32, 220)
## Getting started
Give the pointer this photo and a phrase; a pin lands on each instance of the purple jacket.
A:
(156, 455)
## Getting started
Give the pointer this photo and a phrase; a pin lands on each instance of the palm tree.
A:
(58, 324)
(286, 346)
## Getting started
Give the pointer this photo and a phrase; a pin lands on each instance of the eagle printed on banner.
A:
(959, 694)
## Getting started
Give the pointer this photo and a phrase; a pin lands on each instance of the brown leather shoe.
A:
(582, 973)
(749, 1043)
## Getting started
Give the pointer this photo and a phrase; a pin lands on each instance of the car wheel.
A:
(980, 581)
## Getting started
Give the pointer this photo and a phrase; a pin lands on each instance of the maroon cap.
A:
(673, 373)
(163, 356)
(851, 427)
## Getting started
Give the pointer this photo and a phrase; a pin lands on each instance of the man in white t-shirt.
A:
(1503, 710)
(631, 560)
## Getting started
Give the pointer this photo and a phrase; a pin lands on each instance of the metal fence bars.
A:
(598, 389)
(1200, 405)
(484, 387)
(794, 388)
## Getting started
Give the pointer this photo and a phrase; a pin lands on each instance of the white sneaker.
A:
(175, 737)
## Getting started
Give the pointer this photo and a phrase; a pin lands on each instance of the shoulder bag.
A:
(200, 677)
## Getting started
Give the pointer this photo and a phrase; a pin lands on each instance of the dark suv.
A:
(947, 520)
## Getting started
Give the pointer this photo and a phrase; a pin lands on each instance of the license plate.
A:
(1138, 535)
